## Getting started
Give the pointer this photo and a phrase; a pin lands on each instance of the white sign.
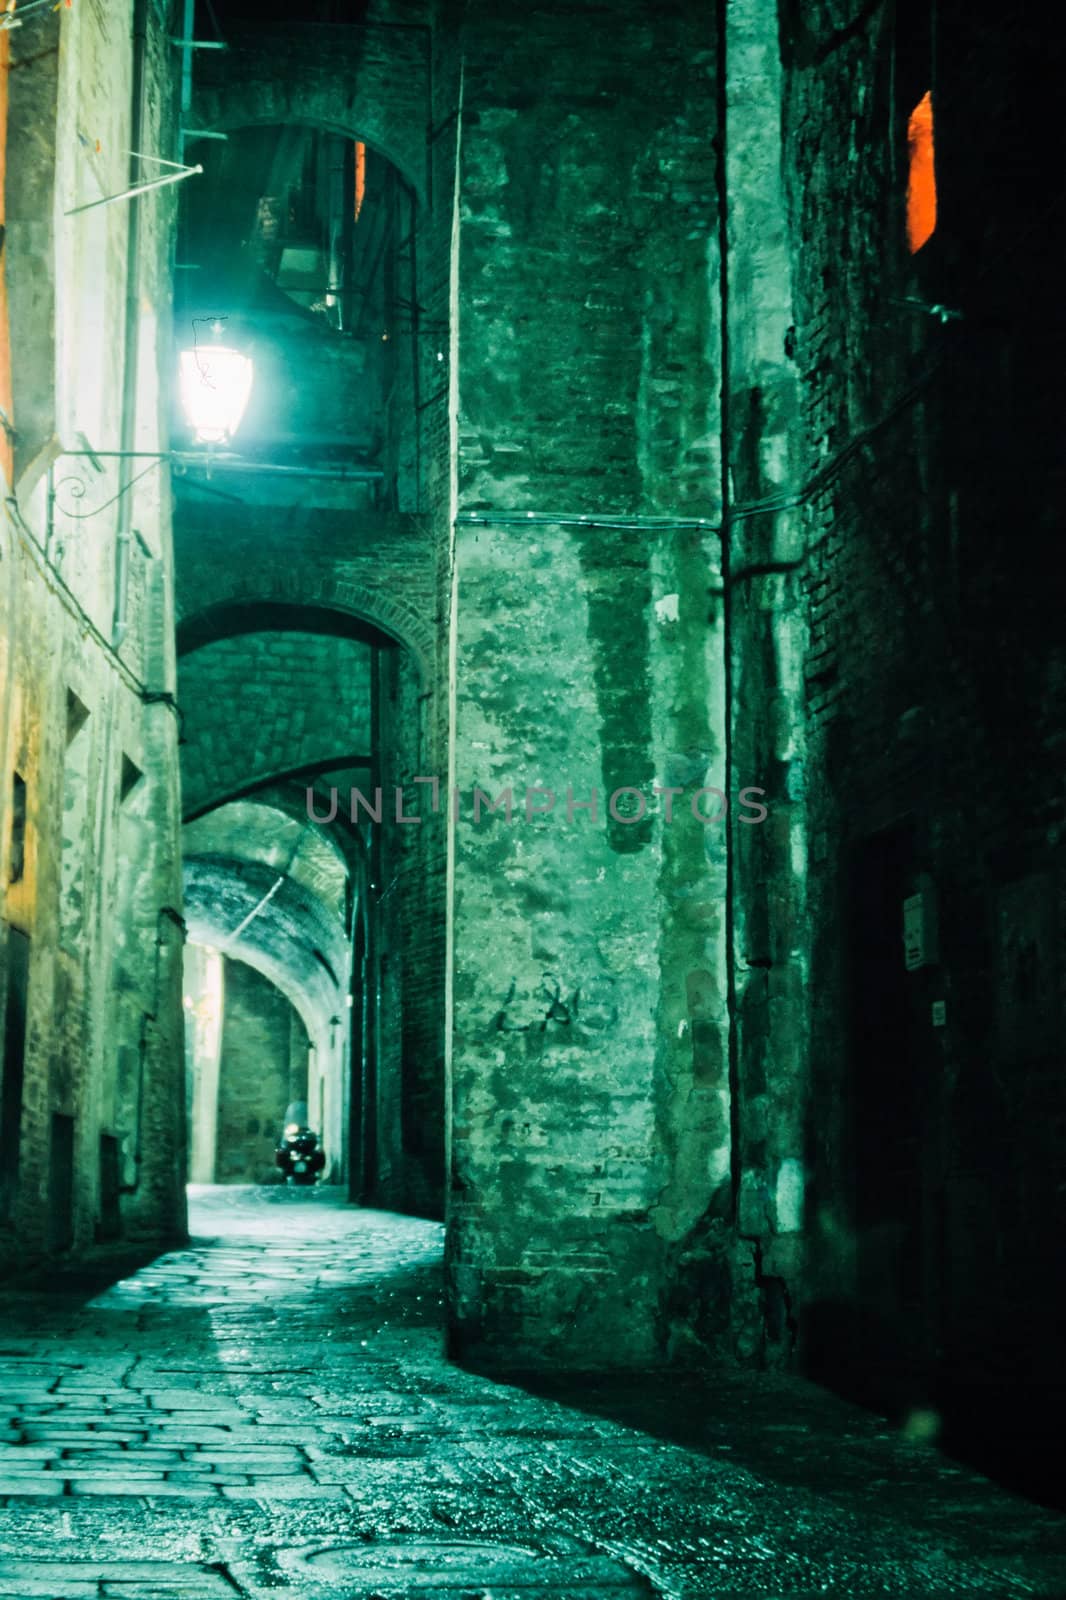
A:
(913, 932)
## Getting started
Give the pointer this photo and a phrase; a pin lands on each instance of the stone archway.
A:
(378, 570)
(369, 82)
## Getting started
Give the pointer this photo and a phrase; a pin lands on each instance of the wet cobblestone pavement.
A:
(270, 1413)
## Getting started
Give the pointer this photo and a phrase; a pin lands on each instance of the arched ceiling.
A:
(264, 883)
(252, 832)
(253, 913)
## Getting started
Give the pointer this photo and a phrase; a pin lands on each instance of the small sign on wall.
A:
(920, 926)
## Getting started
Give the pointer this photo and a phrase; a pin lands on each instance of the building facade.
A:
(92, 1130)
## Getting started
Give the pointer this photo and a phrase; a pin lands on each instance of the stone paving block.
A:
(131, 1579)
(81, 1395)
(263, 1454)
(26, 1586)
(44, 1483)
(160, 1589)
(190, 1400)
(206, 1475)
(137, 1486)
(178, 1434)
(284, 1489)
(43, 1435)
(478, 1462)
(147, 1455)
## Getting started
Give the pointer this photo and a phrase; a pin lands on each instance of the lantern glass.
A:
(215, 385)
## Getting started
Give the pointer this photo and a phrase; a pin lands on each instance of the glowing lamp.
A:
(215, 385)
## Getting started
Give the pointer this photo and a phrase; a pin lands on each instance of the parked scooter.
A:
(298, 1153)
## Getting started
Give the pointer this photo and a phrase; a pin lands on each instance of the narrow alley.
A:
(270, 1412)
(532, 799)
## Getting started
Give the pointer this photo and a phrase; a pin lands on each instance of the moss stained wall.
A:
(99, 895)
(589, 1071)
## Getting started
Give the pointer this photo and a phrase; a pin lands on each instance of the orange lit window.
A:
(360, 176)
(921, 179)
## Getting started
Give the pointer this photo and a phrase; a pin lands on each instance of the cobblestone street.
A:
(270, 1412)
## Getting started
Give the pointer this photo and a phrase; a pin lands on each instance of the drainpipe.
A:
(130, 351)
(726, 497)
(165, 914)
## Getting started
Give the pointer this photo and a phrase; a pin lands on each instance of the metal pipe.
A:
(728, 685)
(590, 519)
(50, 511)
(168, 913)
(130, 348)
(120, 619)
(256, 909)
(185, 104)
(351, 474)
(140, 188)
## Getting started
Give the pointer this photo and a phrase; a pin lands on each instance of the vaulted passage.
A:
(306, 667)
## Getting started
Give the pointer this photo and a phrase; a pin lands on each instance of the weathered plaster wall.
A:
(84, 720)
(589, 1063)
(766, 642)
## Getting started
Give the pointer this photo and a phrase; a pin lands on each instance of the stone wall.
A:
(262, 703)
(766, 644)
(933, 689)
(263, 1066)
(371, 81)
(590, 1102)
(377, 568)
(90, 893)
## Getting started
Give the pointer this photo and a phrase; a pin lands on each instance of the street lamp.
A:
(215, 384)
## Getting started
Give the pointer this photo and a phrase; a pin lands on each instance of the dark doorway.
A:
(61, 1184)
(110, 1224)
(893, 1124)
(17, 951)
(358, 1064)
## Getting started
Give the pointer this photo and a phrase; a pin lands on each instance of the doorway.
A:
(15, 997)
(893, 1121)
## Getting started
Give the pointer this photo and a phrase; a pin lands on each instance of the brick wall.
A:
(263, 702)
(84, 721)
(263, 1067)
(933, 681)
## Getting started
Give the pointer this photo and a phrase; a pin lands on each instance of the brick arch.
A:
(229, 619)
(246, 595)
(226, 794)
(364, 83)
